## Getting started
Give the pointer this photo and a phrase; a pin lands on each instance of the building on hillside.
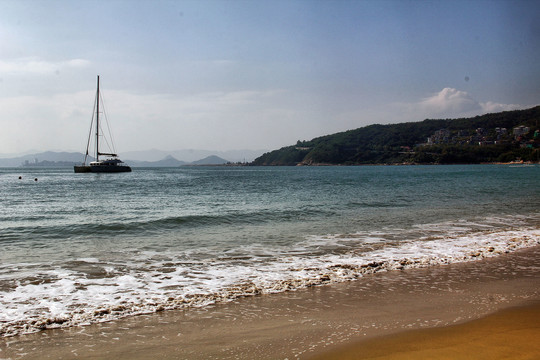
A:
(520, 131)
(481, 132)
(439, 137)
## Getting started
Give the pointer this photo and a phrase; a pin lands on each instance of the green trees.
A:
(467, 140)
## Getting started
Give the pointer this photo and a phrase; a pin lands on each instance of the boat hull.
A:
(109, 168)
(82, 168)
(101, 169)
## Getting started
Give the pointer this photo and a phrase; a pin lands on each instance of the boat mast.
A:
(97, 120)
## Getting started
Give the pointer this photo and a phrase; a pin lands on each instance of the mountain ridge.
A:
(210, 160)
(484, 138)
(65, 159)
(191, 155)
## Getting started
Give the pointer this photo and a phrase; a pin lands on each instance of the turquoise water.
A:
(84, 248)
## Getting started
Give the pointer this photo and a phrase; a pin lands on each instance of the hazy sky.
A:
(257, 74)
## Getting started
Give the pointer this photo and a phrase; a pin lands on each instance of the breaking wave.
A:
(34, 296)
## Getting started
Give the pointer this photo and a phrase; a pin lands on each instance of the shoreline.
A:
(508, 333)
(304, 323)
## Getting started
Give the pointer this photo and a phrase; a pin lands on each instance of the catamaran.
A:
(111, 163)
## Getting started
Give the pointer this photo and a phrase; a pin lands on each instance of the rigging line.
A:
(111, 146)
(104, 138)
(90, 131)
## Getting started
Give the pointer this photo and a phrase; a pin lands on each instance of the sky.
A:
(259, 74)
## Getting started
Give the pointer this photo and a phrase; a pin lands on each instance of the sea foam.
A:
(43, 296)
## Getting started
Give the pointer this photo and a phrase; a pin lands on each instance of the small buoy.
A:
(20, 177)
(35, 179)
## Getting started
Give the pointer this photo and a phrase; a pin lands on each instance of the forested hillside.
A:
(497, 137)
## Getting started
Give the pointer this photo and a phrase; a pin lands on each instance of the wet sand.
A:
(508, 334)
(327, 320)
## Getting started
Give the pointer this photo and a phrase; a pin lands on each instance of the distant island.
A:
(69, 159)
(498, 137)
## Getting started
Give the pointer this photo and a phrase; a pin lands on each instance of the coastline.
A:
(318, 321)
(508, 333)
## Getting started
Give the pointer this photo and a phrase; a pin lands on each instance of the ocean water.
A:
(77, 249)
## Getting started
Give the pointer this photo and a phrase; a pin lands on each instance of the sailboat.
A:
(111, 163)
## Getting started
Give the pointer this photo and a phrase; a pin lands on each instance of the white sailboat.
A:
(111, 163)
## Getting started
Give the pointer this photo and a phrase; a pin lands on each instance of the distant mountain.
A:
(48, 158)
(15, 155)
(168, 161)
(497, 137)
(210, 160)
(136, 159)
(190, 155)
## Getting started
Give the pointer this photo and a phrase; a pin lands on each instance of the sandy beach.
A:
(508, 334)
(488, 308)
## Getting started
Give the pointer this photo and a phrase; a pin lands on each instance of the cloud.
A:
(215, 120)
(77, 63)
(449, 100)
(219, 120)
(489, 107)
(452, 103)
(51, 122)
(38, 66)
